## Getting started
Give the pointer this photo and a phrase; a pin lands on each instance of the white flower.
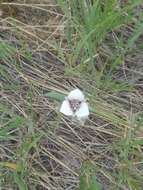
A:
(75, 105)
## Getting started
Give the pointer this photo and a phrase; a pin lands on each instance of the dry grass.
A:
(42, 149)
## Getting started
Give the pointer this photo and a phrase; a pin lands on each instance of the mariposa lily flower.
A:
(75, 105)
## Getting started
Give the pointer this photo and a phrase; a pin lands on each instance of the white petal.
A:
(83, 111)
(76, 94)
(65, 108)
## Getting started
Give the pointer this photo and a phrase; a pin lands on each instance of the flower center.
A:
(75, 104)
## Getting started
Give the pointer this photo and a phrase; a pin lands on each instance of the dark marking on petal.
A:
(74, 104)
